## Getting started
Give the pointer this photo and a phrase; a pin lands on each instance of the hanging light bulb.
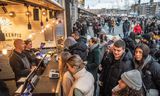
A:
(4, 51)
(41, 23)
(12, 14)
(57, 22)
(44, 13)
(28, 13)
(30, 36)
(46, 19)
(42, 31)
(48, 25)
(53, 20)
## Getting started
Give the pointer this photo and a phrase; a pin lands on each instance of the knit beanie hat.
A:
(132, 79)
(144, 48)
(69, 42)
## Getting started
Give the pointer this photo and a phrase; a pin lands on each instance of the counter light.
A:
(4, 51)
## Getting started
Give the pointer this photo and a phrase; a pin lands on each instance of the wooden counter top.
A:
(47, 86)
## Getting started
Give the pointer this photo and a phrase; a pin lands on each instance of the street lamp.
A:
(139, 4)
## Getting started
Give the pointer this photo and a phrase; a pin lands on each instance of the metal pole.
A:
(68, 18)
(151, 7)
(139, 4)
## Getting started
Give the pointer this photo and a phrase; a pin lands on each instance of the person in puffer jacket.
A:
(74, 47)
(149, 68)
(137, 29)
(116, 63)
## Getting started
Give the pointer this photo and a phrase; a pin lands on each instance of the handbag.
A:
(150, 92)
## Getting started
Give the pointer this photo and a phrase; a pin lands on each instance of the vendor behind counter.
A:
(18, 61)
(29, 52)
(33, 78)
(17, 66)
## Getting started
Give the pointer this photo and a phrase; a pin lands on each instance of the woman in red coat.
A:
(137, 29)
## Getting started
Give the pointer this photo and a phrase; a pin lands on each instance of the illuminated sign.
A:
(7, 28)
(5, 22)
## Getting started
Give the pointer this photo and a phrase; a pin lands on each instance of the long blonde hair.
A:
(64, 57)
(75, 60)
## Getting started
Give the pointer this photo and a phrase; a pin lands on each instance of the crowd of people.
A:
(125, 66)
(99, 65)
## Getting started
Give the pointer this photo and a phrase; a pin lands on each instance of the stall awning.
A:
(85, 12)
(48, 3)
(41, 3)
(55, 3)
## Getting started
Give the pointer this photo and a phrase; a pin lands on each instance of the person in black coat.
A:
(18, 61)
(74, 47)
(78, 38)
(116, 62)
(29, 52)
(149, 67)
(79, 49)
(130, 42)
(126, 27)
(157, 56)
(93, 59)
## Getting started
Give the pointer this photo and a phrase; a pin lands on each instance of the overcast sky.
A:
(98, 4)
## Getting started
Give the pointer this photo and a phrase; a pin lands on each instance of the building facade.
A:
(109, 12)
(147, 9)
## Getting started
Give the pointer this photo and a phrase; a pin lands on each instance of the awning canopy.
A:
(85, 12)
(38, 3)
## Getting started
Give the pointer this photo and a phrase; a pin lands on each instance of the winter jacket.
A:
(82, 40)
(130, 44)
(102, 47)
(150, 73)
(84, 82)
(126, 26)
(79, 49)
(67, 83)
(31, 56)
(137, 29)
(157, 56)
(112, 70)
(93, 59)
